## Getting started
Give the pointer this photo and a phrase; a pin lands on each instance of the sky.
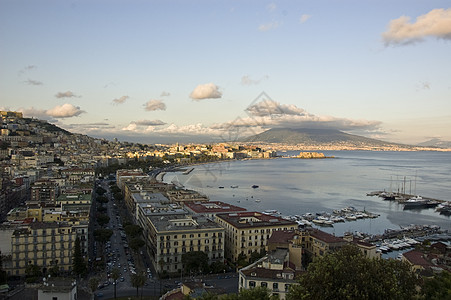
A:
(198, 71)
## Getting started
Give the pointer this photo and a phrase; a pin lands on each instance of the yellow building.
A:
(172, 236)
(318, 242)
(274, 272)
(248, 232)
(42, 244)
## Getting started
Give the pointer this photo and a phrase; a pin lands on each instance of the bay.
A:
(298, 186)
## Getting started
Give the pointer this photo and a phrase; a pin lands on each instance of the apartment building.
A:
(318, 242)
(44, 245)
(248, 232)
(274, 271)
(173, 235)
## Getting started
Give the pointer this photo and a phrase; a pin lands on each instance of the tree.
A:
(93, 284)
(195, 261)
(347, 274)
(102, 199)
(103, 235)
(138, 280)
(136, 243)
(79, 264)
(438, 287)
(33, 272)
(115, 273)
(102, 219)
(100, 191)
(133, 230)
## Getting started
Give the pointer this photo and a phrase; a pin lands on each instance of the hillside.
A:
(316, 137)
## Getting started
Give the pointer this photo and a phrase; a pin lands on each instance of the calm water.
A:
(296, 186)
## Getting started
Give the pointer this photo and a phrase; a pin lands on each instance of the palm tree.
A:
(138, 280)
(115, 273)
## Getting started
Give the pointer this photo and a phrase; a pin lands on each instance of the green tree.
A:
(195, 261)
(100, 191)
(103, 235)
(133, 231)
(138, 280)
(115, 273)
(438, 287)
(79, 264)
(102, 219)
(102, 199)
(93, 284)
(136, 243)
(33, 272)
(347, 274)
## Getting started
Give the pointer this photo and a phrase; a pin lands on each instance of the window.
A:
(54, 298)
(275, 286)
(264, 284)
(251, 284)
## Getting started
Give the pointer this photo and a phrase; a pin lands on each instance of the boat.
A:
(234, 186)
(255, 186)
(415, 202)
(257, 200)
(221, 187)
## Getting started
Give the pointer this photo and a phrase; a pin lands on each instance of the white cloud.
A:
(247, 80)
(304, 18)
(269, 26)
(436, 23)
(148, 122)
(205, 91)
(268, 107)
(154, 104)
(35, 113)
(120, 100)
(64, 111)
(67, 94)
(165, 94)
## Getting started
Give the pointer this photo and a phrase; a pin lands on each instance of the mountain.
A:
(318, 137)
(436, 143)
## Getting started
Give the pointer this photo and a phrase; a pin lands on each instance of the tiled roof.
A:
(416, 258)
(282, 236)
(326, 237)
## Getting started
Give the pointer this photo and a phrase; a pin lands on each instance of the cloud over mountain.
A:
(436, 23)
(206, 91)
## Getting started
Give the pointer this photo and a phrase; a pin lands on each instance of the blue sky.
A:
(158, 71)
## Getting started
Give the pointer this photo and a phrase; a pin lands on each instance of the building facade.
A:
(249, 232)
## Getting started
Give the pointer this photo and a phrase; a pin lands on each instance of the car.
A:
(99, 295)
(122, 279)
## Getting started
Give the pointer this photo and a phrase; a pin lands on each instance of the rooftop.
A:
(213, 207)
(182, 223)
(254, 219)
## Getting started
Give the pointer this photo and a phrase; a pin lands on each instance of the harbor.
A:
(410, 201)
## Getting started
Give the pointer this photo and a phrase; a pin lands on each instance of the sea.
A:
(295, 186)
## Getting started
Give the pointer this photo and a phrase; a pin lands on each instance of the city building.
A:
(173, 235)
(43, 244)
(274, 271)
(248, 232)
